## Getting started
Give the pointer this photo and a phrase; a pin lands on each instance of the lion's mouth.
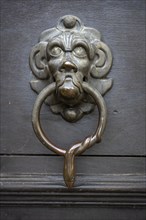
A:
(70, 91)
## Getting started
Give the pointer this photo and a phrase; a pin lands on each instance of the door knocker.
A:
(70, 64)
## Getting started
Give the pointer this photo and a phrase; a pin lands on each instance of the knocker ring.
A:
(77, 149)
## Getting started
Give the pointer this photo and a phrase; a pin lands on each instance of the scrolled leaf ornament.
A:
(70, 64)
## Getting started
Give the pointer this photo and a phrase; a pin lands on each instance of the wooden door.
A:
(110, 182)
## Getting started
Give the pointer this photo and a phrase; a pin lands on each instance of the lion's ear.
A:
(102, 64)
(38, 61)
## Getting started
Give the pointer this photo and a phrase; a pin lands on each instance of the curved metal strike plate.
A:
(70, 64)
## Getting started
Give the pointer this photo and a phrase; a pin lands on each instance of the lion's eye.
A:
(80, 51)
(55, 51)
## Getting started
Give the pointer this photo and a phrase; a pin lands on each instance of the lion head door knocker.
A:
(70, 64)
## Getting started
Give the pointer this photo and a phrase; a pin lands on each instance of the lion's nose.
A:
(68, 66)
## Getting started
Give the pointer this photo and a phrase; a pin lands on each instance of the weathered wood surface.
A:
(84, 165)
(72, 213)
(118, 159)
(122, 25)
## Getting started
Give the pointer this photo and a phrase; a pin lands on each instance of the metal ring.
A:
(77, 149)
(39, 131)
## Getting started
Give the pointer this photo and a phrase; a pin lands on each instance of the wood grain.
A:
(122, 25)
(84, 165)
(110, 182)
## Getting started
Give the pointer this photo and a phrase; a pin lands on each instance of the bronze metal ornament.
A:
(70, 64)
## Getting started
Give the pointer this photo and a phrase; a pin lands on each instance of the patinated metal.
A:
(70, 64)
